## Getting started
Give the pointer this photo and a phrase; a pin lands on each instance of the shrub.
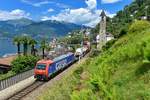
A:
(94, 53)
(84, 94)
(139, 26)
(23, 63)
(123, 31)
(147, 52)
(78, 72)
(109, 44)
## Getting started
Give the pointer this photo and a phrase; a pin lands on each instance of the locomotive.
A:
(45, 68)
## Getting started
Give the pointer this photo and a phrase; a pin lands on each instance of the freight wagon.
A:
(44, 69)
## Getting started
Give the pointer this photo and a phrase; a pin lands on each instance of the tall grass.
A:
(122, 72)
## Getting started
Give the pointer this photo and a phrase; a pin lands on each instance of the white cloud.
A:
(44, 18)
(110, 1)
(91, 4)
(79, 16)
(50, 10)
(37, 4)
(61, 5)
(41, 3)
(86, 16)
(110, 14)
(14, 14)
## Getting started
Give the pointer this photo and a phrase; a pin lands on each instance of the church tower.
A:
(102, 31)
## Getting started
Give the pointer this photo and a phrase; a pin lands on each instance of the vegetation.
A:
(118, 25)
(74, 39)
(26, 61)
(25, 41)
(23, 63)
(43, 46)
(121, 72)
(4, 76)
(20, 64)
(17, 41)
(32, 43)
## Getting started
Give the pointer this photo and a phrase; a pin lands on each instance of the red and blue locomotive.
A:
(45, 68)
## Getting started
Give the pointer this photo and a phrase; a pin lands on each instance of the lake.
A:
(7, 47)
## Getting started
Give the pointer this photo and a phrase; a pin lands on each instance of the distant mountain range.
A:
(50, 28)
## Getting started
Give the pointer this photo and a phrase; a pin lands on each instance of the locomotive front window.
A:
(41, 66)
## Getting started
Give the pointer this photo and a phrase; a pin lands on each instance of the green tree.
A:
(43, 46)
(23, 63)
(139, 2)
(17, 41)
(25, 41)
(32, 43)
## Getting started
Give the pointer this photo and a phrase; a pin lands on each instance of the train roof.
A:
(48, 61)
(45, 61)
(62, 56)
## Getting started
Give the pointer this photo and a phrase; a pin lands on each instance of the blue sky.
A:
(84, 12)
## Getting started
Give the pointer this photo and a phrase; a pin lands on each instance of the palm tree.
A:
(17, 41)
(43, 46)
(25, 41)
(32, 43)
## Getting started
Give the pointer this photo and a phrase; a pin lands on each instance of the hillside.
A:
(48, 28)
(118, 25)
(121, 72)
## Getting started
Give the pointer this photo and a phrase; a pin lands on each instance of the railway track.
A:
(26, 91)
(36, 84)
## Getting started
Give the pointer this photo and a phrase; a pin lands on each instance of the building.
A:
(109, 37)
(103, 36)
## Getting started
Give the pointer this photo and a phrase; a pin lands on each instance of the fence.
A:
(15, 79)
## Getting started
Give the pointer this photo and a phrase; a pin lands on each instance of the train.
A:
(46, 68)
(80, 52)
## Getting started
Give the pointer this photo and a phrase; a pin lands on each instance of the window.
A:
(41, 66)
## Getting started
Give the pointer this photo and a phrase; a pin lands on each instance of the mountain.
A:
(118, 25)
(20, 22)
(50, 28)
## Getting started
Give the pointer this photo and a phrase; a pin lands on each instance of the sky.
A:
(83, 12)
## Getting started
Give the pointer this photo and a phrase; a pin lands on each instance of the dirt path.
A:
(33, 95)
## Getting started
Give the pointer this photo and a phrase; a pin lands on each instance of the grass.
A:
(20, 65)
(121, 72)
(65, 85)
(4, 76)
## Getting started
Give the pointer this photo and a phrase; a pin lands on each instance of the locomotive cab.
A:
(40, 71)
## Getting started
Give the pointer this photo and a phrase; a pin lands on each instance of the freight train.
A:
(44, 69)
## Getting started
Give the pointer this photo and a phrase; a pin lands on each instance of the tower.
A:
(102, 30)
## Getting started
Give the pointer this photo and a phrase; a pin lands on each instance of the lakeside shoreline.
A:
(7, 47)
(8, 55)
